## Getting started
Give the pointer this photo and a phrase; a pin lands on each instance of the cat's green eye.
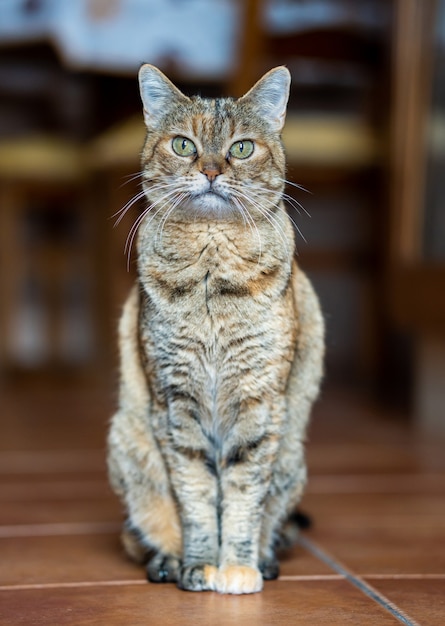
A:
(183, 146)
(242, 149)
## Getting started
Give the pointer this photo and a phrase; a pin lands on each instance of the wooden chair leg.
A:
(11, 268)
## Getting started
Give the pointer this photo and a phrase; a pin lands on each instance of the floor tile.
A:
(29, 463)
(322, 603)
(376, 495)
(360, 458)
(381, 533)
(299, 562)
(422, 599)
(54, 419)
(59, 497)
(65, 558)
(62, 510)
(375, 483)
(55, 486)
(99, 556)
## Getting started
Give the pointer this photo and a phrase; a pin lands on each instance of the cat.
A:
(221, 343)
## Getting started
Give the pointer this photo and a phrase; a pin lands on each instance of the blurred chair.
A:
(336, 143)
(46, 176)
(114, 163)
(415, 276)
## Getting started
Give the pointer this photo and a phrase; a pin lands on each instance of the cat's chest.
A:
(210, 268)
(217, 316)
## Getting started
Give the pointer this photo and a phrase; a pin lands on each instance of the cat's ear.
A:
(157, 93)
(270, 95)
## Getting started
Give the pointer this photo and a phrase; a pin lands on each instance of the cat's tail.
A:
(288, 536)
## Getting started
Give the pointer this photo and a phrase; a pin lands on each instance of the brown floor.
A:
(376, 553)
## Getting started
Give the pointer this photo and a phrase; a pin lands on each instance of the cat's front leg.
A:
(195, 486)
(245, 482)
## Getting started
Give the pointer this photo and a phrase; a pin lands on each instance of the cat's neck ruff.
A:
(234, 246)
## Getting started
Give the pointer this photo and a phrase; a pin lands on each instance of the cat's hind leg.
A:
(285, 538)
(139, 477)
(137, 469)
(278, 531)
(289, 476)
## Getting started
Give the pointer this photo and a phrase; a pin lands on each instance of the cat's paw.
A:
(270, 568)
(163, 568)
(199, 577)
(238, 579)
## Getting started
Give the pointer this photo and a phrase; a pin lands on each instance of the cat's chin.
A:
(211, 204)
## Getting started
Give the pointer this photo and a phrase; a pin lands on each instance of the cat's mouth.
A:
(211, 201)
(214, 192)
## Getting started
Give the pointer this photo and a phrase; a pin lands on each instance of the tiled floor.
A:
(376, 553)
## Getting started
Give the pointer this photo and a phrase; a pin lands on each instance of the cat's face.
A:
(213, 158)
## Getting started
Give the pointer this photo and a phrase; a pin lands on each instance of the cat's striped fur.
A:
(221, 345)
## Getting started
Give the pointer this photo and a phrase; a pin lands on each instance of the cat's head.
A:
(213, 157)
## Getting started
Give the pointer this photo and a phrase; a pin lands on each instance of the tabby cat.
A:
(221, 343)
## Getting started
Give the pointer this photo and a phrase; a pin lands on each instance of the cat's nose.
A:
(211, 172)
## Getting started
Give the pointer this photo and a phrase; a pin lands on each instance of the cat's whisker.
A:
(246, 215)
(297, 228)
(160, 185)
(295, 204)
(130, 178)
(136, 226)
(286, 198)
(177, 201)
(248, 196)
(273, 221)
(137, 222)
(160, 227)
(126, 208)
(162, 200)
(248, 220)
(282, 194)
(294, 200)
(133, 200)
(296, 185)
(273, 196)
(240, 208)
(132, 233)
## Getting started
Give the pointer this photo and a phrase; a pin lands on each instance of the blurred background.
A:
(365, 135)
